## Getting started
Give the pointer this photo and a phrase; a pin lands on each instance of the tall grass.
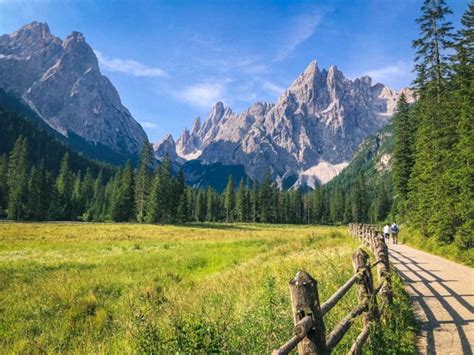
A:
(125, 288)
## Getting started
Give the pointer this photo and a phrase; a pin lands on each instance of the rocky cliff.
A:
(61, 81)
(307, 137)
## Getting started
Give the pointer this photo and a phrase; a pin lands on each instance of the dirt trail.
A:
(442, 294)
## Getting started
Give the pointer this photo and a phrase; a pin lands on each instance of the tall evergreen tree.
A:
(435, 38)
(17, 180)
(229, 200)
(3, 183)
(122, 200)
(242, 204)
(359, 200)
(64, 189)
(39, 194)
(143, 181)
(403, 152)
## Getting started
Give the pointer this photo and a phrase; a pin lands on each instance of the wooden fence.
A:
(310, 331)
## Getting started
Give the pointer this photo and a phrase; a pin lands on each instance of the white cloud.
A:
(395, 74)
(301, 28)
(148, 124)
(128, 66)
(202, 95)
(273, 87)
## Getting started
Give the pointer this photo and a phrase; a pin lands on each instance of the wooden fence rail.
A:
(310, 330)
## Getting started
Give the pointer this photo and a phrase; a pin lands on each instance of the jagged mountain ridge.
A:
(307, 137)
(61, 81)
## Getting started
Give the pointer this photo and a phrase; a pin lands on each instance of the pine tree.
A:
(3, 183)
(403, 152)
(17, 180)
(39, 194)
(265, 200)
(182, 209)
(359, 200)
(461, 169)
(382, 204)
(201, 206)
(64, 188)
(337, 207)
(142, 181)
(152, 206)
(242, 203)
(436, 37)
(229, 200)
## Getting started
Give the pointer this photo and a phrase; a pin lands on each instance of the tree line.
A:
(30, 191)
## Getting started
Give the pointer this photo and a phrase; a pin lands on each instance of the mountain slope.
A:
(60, 80)
(44, 146)
(307, 137)
(372, 158)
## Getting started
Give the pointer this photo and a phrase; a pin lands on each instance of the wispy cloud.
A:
(273, 87)
(300, 29)
(148, 124)
(128, 66)
(394, 74)
(202, 95)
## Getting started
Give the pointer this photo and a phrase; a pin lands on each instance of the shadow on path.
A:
(419, 271)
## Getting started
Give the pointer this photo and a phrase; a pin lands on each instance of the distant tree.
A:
(201, 206)
(39, 194)
(229, 200)
(182, 209)
(17, 179)
(3, 183)
(242, 203)
(265, 200)
(64, 189)
(122, 201)
(143, 181)
(382, 204)
(359, 200)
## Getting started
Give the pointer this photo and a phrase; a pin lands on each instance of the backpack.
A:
(394, 228)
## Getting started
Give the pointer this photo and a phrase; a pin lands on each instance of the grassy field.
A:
(128, 288)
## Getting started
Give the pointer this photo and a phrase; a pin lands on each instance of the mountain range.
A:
(306, 138)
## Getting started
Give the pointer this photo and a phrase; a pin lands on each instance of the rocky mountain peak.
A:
(61, 81)
(33, 29)
(309, 135)
(196, 125)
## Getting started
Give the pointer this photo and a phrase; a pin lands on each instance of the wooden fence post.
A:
(360, 262)
(305, 302)
(383, 267)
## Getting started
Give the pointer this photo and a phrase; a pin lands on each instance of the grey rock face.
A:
(61, 81)
(167, 146)
(311, 132)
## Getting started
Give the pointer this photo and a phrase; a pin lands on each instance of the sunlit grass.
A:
(124, 288)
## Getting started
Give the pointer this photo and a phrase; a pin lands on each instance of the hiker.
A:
(394, 232)
(386, 231)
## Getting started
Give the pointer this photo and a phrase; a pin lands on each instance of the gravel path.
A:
(442, 294)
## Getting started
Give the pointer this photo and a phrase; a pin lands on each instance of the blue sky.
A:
(172, 60)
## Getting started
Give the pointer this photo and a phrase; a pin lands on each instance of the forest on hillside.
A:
(430, 185)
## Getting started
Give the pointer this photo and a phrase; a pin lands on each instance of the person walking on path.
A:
(394, 232)
(386, 232)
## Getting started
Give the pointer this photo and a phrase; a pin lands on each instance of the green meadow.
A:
(131, 288)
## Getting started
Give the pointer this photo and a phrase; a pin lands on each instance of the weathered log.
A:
(356, 347)
(344, 325)
(302, 329)
(332, 301)
(305, 302)
(360, 263)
